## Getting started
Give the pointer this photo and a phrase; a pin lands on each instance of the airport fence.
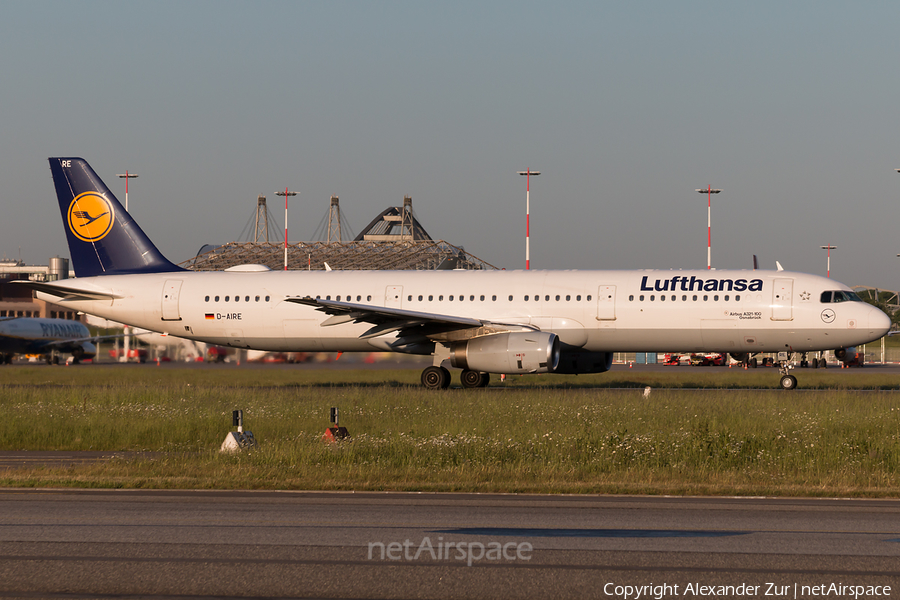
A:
(874, 353)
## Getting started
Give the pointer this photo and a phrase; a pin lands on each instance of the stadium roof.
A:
(355, 255)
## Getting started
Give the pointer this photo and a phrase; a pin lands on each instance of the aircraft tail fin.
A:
(103, 238)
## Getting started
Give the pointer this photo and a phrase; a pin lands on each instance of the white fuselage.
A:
(647, 310)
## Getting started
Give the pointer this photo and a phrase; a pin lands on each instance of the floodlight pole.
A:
(709, 191)
(126, 175)
(286, 194)
(528, 175)
(829, 248)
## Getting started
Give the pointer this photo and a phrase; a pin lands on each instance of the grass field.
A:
(700, 431)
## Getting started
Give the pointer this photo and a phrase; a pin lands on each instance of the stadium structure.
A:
(394, 240)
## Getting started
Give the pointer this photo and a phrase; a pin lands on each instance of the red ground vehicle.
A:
(708, 360)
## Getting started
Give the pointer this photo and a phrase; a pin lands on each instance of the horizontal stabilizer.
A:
(65, 293)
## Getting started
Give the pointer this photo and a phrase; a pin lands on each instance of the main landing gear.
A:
(438, 378)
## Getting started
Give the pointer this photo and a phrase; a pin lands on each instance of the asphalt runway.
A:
(215, 544)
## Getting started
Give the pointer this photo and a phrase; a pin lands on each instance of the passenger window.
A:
(217, 298)
(737, 298)
(246, 298)
(716, 298)
(451, 298)
(695, 297)
(338, 298)
(494, 298)
(578, 298)
(547, 298)
(368, 298)
(705, 297)
(726, 298)
(237, 298)
(420, 298)
(641, 297)
(557, 298)
(526, 298)
(684, 298)
(441, 298)
(652, 297)
(482, 298)
(430, 298)
(662, 298)
(226, 298)
(409, 297)
(589, 298)
(207, 299)
(510, 298)
(257, 298)
(568, 298)
(472, 298)
(267, 298)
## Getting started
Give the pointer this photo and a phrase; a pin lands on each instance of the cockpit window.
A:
(839, 296)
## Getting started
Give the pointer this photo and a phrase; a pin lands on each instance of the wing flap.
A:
(345, 312)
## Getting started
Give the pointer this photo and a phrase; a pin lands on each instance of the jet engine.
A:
(86, 351)
(741, 357)
(847, 355)
(573, 363)
(515, 352)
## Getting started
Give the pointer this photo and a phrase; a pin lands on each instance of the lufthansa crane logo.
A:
(90, 217)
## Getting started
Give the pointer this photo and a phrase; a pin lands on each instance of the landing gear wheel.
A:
(822, 363)
(470, 379)
(485, 380)
(436, 378)
(754, 363)
(788, 382)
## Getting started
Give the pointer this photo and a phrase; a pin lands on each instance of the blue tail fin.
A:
(103, 238)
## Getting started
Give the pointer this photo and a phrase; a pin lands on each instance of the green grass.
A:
(540, 434)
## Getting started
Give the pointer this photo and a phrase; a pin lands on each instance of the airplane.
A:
(483, 322)
(49, 337)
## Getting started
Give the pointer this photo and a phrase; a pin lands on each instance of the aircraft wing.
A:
(66, 293)
(385, 319)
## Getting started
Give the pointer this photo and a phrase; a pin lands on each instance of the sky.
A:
(626, 108)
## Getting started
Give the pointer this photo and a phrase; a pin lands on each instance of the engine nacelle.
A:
(87, 351)
(741, 357)
(847, 355)
(573, 363)
(516, 352)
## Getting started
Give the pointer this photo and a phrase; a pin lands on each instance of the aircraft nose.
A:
(879, 322)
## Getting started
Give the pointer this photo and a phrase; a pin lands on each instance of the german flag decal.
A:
(210, 316)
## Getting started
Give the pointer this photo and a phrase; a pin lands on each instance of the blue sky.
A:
(626, 108)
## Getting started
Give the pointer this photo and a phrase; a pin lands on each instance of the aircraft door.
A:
(171, 292)
(606, 303)
(782, 299)
(393, 296)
